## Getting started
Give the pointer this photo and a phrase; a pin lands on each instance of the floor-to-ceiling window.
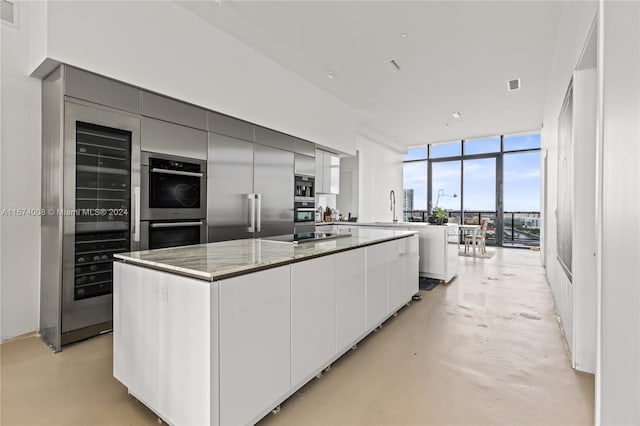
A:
(496, 178)
(521, 193)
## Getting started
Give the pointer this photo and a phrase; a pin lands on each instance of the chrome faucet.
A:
(392, 198)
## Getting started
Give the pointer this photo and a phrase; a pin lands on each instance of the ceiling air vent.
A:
(513, 84)
(7, 12)
(392, 65)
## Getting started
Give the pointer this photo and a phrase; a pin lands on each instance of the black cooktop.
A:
(306, 237)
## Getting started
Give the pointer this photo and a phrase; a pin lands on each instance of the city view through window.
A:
(465, 177)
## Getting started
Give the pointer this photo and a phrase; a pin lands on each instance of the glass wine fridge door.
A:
(103, 204)
(101, 186)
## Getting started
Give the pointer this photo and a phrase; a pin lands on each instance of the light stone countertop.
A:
(384, 224)
(215, 261)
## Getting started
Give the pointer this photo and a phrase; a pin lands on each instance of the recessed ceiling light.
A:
(404, 35)
(330, 74)
(218, 2)
(456, 115)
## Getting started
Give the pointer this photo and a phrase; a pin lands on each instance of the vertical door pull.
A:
(259, 212)
(252, 212)
(136, 213)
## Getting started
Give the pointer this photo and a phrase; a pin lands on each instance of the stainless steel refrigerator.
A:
(250, 189)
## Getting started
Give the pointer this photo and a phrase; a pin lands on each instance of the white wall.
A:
(19, 181)
(161, 46)
(584, 222)
(618, 387)
(575, 21)
(618, 223)
(380, 171)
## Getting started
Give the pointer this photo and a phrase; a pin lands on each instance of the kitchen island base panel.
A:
(166, 343)
(438, 244)
(255, 343)
(313, 315)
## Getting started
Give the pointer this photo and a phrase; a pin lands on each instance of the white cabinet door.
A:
(411, 266)
(350, 296)
(334, 173)
(452, 252)
(165, 342)
(376, 284)
(395, 274)
(326, 172)
(319, 183)
(433, 262)
(254, 343)
(313, 316)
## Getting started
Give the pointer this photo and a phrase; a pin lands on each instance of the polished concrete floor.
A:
(484, 349)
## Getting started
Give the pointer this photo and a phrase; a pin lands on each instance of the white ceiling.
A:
(458, 56)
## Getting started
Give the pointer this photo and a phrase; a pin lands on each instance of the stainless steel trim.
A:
(306, 209)
(86, 332)
(299, 199)
(136, 214)
(175, 224)
(176, 172)
(258, 212)
(252, 212)
(51, 225)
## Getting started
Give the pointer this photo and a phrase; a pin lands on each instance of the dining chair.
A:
(480, 239)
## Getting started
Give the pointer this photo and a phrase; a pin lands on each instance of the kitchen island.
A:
(438, 244)
(222, 333)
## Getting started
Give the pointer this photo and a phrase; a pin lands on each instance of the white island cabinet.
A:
(438, 245)
(222, 333)
(254, 343)
(165, 342)
(313, 316)
(351, 307)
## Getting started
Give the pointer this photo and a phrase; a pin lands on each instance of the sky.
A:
(521, 175)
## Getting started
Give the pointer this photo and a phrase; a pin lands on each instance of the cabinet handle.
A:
(175, 224)
(136, 214)
(252, 212)
(176, 172)
(258, 212)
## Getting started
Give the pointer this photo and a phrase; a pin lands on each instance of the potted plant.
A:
(441, 216)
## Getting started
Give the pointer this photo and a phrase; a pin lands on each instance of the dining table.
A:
(475, 232)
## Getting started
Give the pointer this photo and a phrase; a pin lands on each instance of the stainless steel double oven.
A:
(173, 206)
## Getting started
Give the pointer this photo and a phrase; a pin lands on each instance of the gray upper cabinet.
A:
(275, 139)
(304, 165)
(168, 109)
(305, 147)
(172, 139)
(100, 90)
(232, 127)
